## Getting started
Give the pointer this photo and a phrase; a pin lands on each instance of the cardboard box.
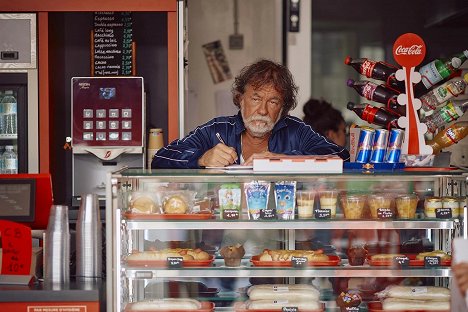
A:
(298, 164)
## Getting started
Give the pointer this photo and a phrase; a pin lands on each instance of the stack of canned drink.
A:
(379, 145)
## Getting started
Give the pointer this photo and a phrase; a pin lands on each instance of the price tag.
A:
(385, 213)
(289, 309)
(352, 309)
(443, 213)
(401, 262)
(299, 262)
(230, 214)
(267, 214)
(322, 213)
(175, 262)
(431, 262)
(16, 248)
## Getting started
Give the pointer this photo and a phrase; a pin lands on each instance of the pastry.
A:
(417, 305)
(385, 257)
(165, 304)
(143, 204)
(280, 291)
(286, 255)
(432, 293)
(175, 204)
(346, 299)
(232, 255)
(356, 255)
(436, 253)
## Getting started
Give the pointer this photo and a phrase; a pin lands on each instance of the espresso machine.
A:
(108, 133)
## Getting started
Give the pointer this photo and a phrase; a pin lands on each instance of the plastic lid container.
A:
(406, 206)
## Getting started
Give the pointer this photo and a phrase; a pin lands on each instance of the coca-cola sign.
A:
(409, 50)
(415, 49)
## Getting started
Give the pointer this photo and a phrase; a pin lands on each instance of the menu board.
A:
(112, 52)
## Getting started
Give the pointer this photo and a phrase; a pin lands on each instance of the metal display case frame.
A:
(124, 282)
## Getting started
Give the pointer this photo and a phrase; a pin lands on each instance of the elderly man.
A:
(265, 93)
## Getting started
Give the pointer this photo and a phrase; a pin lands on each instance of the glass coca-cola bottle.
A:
(374, 115)
(448, 113)
(449, 136)
(444, 92)
(378, 93)
(440, 69)
(376, 70)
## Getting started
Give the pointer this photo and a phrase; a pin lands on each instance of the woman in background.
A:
(326, 120)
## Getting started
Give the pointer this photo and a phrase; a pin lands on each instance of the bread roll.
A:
(278, 304)
(385, 257)
(166, 304)
(280, 291)
(145, 255)
(175, 204)
(143, 204)
(432, 293)
(408, 305)
(436, 253)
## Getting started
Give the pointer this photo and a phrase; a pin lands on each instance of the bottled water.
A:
(2, 165)
(9, 107)
(10, 161)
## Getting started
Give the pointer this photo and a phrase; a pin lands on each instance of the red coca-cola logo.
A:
(409, 50)
(368, 91)
(367, 67)
(412, 50)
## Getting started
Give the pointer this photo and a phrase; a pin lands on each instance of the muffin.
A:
(356, 255)
(348, 299)
(232, 255)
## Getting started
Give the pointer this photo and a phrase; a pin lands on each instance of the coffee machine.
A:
(108, 130)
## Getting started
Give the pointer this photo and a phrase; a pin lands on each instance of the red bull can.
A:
(364, 148)
(395, 140)
(380, 146)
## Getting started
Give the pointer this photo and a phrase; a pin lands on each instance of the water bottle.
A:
(9, 107)
(2, 115)
(2, 165)
(10, 161)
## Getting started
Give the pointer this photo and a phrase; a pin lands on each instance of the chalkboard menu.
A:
(112, 53)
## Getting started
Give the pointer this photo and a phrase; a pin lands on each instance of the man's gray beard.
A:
(258, 131)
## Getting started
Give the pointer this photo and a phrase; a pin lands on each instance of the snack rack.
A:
(127, 283)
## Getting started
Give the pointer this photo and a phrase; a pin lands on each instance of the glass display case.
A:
(209, 235)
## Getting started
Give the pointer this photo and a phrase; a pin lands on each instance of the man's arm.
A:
(198, 149)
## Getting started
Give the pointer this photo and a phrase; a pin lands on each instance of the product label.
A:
(280, 302)
(268, 214)
(281, 288)
(299, 262)
(419, 290)
(443, 213)
(449, 113)
(289, 309)
(10, 164)
(322, 213)
(367, 67)
(368, 91)
(384, 213)
(230, 214)
(441, 93)
(430, 75)
(431, 262)
(451, 135)
(401, 262)
(175, 262)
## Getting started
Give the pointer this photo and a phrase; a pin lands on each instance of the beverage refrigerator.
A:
(14, 126)
(18, 83)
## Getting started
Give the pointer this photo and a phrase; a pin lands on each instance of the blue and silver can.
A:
(380, 146)
(394, 146)
(364, 148)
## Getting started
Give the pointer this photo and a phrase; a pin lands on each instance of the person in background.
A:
(264, 92)
(326, 120)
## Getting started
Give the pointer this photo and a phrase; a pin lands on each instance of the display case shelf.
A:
(292, 225)
(239, 272)
(8, 137)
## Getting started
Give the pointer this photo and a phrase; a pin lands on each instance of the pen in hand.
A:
(220, 138)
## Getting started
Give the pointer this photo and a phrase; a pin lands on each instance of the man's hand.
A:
(460, 271)
(219, 156)
(249, 162)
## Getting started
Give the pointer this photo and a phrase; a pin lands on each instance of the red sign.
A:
(16, 248)
(409, 50)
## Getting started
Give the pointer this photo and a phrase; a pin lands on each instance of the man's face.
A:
(260, 109)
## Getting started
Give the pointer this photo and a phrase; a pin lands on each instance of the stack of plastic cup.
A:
(89, 238)
(57, 246)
